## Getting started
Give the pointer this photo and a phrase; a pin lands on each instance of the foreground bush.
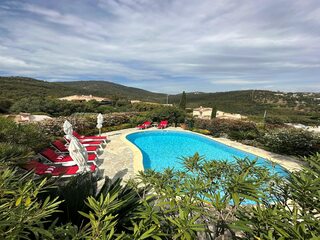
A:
(291, 142)
(22, 214)
(206, 200)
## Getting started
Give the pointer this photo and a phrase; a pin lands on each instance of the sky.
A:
(165, 45)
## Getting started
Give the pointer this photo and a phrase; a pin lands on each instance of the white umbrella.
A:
(68, 130)
(79, 154)
(99, 122)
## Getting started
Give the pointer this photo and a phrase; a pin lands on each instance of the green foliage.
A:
(291, 141)
(203, 199)
(172, 114)
(244, 135)
(22, 215)
(13, 155)
(19, 87)
(143, 107)
(73, 192)
(5, 105)
(214, 112)
(275, 120)
(183, 101)
(54, 107)
(295, 214)
(29, 135)
(219, 127)
(120, 212)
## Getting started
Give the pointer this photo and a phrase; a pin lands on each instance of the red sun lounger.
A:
(144, 125)
(64, 171)
(163, 124)
(64, 160)
(63, 149)
(97, 143)
(90, 138)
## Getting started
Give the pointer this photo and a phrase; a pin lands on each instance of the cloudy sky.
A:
(165, 45)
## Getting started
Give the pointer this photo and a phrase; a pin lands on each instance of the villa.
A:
(86, 98)
(202, 113)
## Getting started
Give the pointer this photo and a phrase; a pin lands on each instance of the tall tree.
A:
(183, 101)
(214, 112)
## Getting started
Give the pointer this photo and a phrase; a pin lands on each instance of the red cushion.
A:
(49, 154)
(91, 148)
(70, 170)
(60, 146)
(55, 158)
(77, 135)
(91, 157)
(95, 142)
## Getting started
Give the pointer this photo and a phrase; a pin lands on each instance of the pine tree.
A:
(183, 101)
(214, 112)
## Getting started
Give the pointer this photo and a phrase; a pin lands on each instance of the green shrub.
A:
(275, 120)
(5, 105)
(295, 212)
(243, 135)
(22, 214)
(139, 119)
(219, 127)
(13, 155)
(27, 135)
(172, 114)
(291, 141)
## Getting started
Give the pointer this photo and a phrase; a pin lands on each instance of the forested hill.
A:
(19, 87)
(247, 102)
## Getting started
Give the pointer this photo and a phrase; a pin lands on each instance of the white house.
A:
(224, 115)
(202, 113)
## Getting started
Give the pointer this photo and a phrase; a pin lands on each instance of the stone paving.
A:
(118, 156)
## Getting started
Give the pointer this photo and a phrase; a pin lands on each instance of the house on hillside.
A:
(234, 116)
(87, 98)
(28, 117)
(202, 113)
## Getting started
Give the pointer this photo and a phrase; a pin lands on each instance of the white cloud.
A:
(184, 44)
(239, 81)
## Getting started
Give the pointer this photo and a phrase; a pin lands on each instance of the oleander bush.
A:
(22, 214)
(227, 127)
(206, 200)
(291, 141)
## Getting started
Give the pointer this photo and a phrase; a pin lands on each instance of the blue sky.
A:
(163, 45)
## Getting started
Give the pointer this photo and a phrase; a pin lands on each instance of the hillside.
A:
(104, 89)
(19, 87)
(299, 107)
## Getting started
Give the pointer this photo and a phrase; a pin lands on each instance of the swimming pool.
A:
(162, 149)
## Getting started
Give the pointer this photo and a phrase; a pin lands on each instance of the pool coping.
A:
(288, 162)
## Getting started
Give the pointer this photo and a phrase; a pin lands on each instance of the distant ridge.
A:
(13, 87)
(248, 102)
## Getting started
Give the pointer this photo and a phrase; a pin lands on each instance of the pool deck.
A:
(123, 159)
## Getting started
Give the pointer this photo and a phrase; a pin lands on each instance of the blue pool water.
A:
(162, 149)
